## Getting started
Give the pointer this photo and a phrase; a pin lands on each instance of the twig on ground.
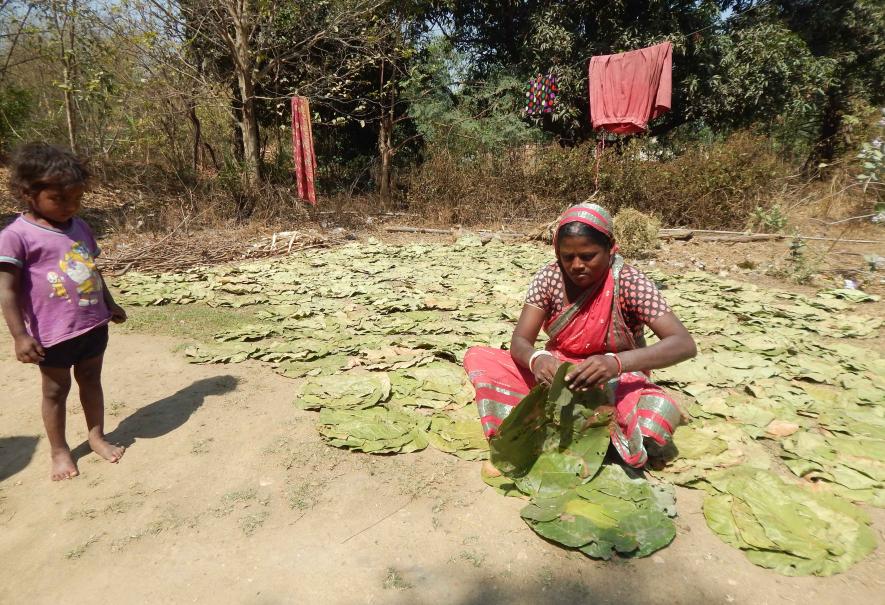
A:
(384, 518)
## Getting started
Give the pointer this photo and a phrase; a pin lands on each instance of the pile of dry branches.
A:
(181, 251)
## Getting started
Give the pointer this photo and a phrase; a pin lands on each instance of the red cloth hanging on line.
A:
(629, 89)
(302, 150)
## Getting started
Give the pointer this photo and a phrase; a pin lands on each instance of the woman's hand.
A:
(593, 372)
(28, 350)
(118, 315)
(545, 368)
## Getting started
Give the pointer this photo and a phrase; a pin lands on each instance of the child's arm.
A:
(27, 350)
(118, 315)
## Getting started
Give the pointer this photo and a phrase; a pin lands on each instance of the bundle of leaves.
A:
(351, 391)
(375, 430)
(786, 527)
(613, 513)
(380, 413)
(459, 433)
(551, 449)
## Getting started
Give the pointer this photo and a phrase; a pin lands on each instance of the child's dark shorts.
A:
(71, 352)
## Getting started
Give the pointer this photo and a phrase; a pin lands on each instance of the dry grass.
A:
(713, 186)
(636, 233)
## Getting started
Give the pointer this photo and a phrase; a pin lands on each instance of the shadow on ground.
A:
(16, 454)
(164, 416)
(621, 587)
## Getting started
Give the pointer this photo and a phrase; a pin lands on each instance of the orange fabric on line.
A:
(629, 89)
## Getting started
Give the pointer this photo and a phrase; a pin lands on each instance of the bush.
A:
(15, 108)
(636, 233)
(717, 185)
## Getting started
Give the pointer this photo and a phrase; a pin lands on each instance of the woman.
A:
(594, 308)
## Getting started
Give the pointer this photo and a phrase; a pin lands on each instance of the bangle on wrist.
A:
(535, 355)
(618, 360)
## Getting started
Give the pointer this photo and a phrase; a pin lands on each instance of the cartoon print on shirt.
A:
(80, 267)
(58, 286)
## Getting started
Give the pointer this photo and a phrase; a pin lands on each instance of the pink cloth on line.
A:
(302, 150)
(630, 89)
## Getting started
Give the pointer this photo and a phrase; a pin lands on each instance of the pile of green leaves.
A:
(786, 527)
(376, 334)
(551, 449)
(375, 430)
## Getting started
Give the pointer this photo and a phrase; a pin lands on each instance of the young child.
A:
(53, 297)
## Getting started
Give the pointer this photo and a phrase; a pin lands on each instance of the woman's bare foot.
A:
(63, 466)
(108, 451)
(489, 470)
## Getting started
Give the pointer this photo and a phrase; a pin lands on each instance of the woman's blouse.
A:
(640, 300)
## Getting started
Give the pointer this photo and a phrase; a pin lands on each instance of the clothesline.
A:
(675, 37)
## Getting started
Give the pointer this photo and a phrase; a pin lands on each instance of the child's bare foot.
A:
(108, 451)
(63, 466)
(489, 470)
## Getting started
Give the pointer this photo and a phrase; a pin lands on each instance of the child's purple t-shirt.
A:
(61, 295)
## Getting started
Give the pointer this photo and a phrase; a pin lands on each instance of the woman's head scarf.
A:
(593, 215)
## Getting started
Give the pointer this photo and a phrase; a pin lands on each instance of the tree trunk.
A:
(197, 153)
(249, 129)
(236, 125)
(385, 143)
(66, 28)
(385, 151)
(826, 147)
(241, 17)
(69, 107)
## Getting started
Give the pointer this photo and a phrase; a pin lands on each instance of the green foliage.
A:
(872, 157)
(468, 116)
(802, 267)
(770, 220)
(16, 105)
(762, 74)
(803, 73)
(555, 36)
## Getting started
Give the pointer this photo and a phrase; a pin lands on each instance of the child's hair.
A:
(36, 166)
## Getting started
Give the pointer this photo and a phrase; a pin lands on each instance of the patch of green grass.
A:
(395, 580)
(304, 496)
(114, 408)
(250, 523)
(475, 558)
(188, 322)
(169, 520)
(79, 551)
(231, 500)
(121, 506)
(201, 446)
(86, 513)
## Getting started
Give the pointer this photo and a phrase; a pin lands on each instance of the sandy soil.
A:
(227, 495)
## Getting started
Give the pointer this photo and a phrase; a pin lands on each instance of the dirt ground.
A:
(227, 495)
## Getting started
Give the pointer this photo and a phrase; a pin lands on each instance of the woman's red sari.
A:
(592, 325)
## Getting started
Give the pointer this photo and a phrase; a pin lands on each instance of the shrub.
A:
(717, 185)
(636, 233)
(15, 107)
